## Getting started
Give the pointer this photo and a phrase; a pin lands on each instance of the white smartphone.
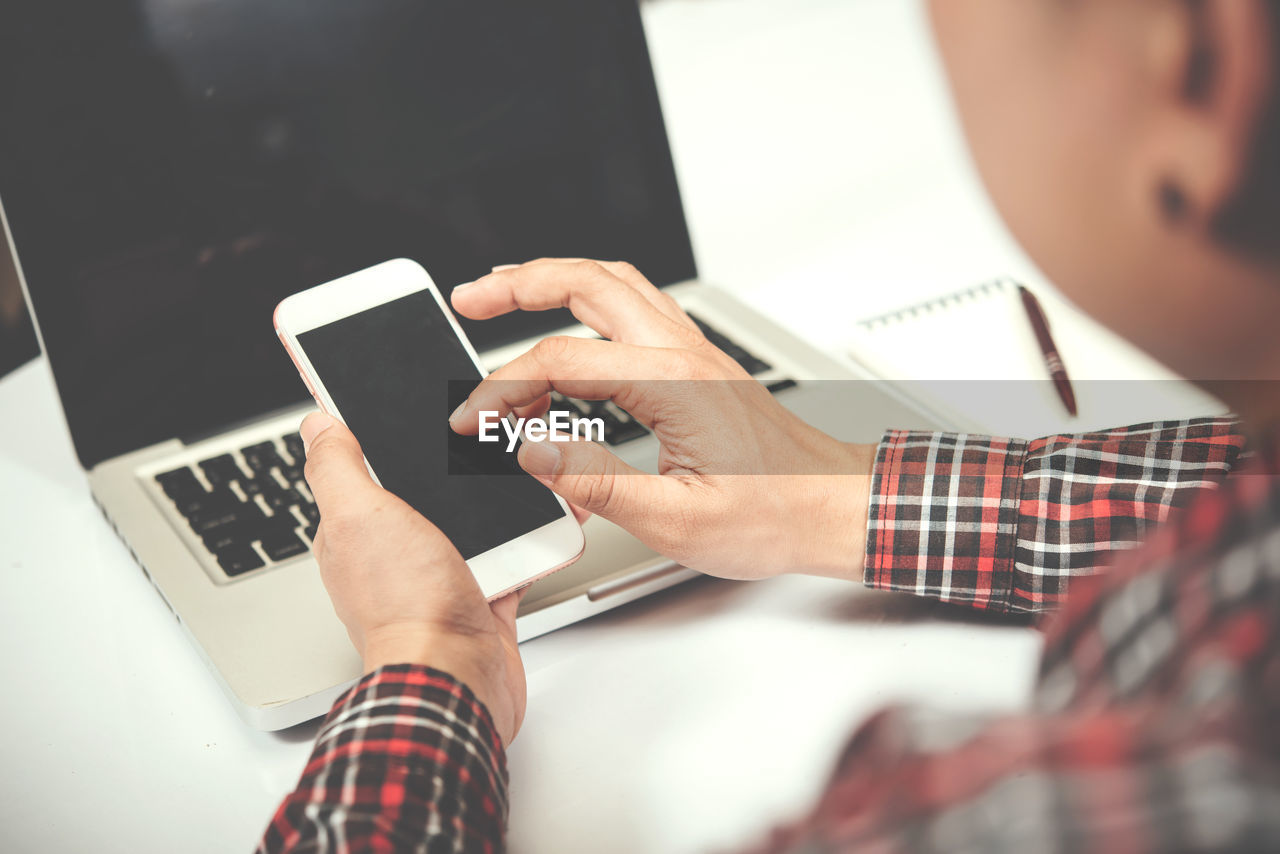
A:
(380, 351)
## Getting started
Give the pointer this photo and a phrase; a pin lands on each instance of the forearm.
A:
(408, 760)
(1004, 524)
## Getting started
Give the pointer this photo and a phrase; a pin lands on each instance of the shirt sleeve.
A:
(408, 760)
(1125, 779)
(1004, 524)
(1151, 728)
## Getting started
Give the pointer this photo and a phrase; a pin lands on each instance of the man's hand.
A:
(400, 587)
(745, 490)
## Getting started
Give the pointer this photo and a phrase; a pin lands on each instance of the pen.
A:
(1051, 358)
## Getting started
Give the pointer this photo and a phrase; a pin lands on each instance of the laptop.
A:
(170, 170)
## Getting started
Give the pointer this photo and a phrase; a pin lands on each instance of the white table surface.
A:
(820, 167)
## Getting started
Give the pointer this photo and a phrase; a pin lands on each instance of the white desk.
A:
(815, 156)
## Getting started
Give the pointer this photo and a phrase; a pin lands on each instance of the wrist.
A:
(428, 647)
(478, 660)
(833, 515)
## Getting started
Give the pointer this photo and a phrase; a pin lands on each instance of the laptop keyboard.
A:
(252, 508)
(750, 363)
(256, 508)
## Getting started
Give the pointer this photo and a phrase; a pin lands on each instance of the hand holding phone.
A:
(380, 352)
(400, 587)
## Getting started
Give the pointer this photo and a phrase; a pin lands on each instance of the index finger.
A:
(580, 368)
(633, 278)
(596, 297)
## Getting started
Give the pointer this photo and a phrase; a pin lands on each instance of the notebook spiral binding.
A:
(984, 290)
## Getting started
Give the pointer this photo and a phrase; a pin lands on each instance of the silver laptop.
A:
(169, 171)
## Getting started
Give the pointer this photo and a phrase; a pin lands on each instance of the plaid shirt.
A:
(1004, 524)
(1152, 726)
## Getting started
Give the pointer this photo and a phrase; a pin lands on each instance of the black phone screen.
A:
(396, 372)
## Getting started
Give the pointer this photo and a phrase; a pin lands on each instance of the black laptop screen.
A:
(170, 169)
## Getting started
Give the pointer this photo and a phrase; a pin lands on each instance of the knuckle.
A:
(313, 468)
(319, 453)
(715, 363)
(557, 348)
(596, 279)
(324, 444)
(597, 493)
(686, 330)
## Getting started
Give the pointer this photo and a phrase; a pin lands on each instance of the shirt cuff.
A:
(943, 516)
(408, 714)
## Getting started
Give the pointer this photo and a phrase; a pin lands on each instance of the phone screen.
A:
(396, 372)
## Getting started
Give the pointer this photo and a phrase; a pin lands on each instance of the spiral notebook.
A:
(971, 358)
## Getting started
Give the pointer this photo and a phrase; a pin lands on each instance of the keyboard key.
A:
(559, 402)
(224, 537)
(749, 362)
(230, 518)
(732, 350)
(293, 444)
(206, 503)
(280, 499)
(618, 433)
(261, 457)
(180, 483)
(221, 469)
(207, 523)
(780, 385)
(246, 516)
(238, 559)
(282, 543)
(619, 426)
(711, 334)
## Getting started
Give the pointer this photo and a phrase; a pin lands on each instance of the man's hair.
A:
(1251, 220)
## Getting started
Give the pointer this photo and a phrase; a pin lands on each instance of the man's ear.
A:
(1211, 64)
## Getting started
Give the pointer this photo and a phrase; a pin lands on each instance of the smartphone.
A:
(380, 351)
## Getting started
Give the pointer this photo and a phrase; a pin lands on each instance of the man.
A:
(1134, 147)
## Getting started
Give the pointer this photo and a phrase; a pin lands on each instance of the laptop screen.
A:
(170, 169)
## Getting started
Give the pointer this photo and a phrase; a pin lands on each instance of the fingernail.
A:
(313, 425)
(541, 458)
(501, 267)
(457, 413)
(461, 287)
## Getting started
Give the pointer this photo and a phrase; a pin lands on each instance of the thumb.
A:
(589, 476)
(505, 610)
(335, 469)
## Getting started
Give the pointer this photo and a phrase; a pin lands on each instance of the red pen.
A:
(1040, 325)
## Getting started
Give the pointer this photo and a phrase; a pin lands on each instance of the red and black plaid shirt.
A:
(1153, 722)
